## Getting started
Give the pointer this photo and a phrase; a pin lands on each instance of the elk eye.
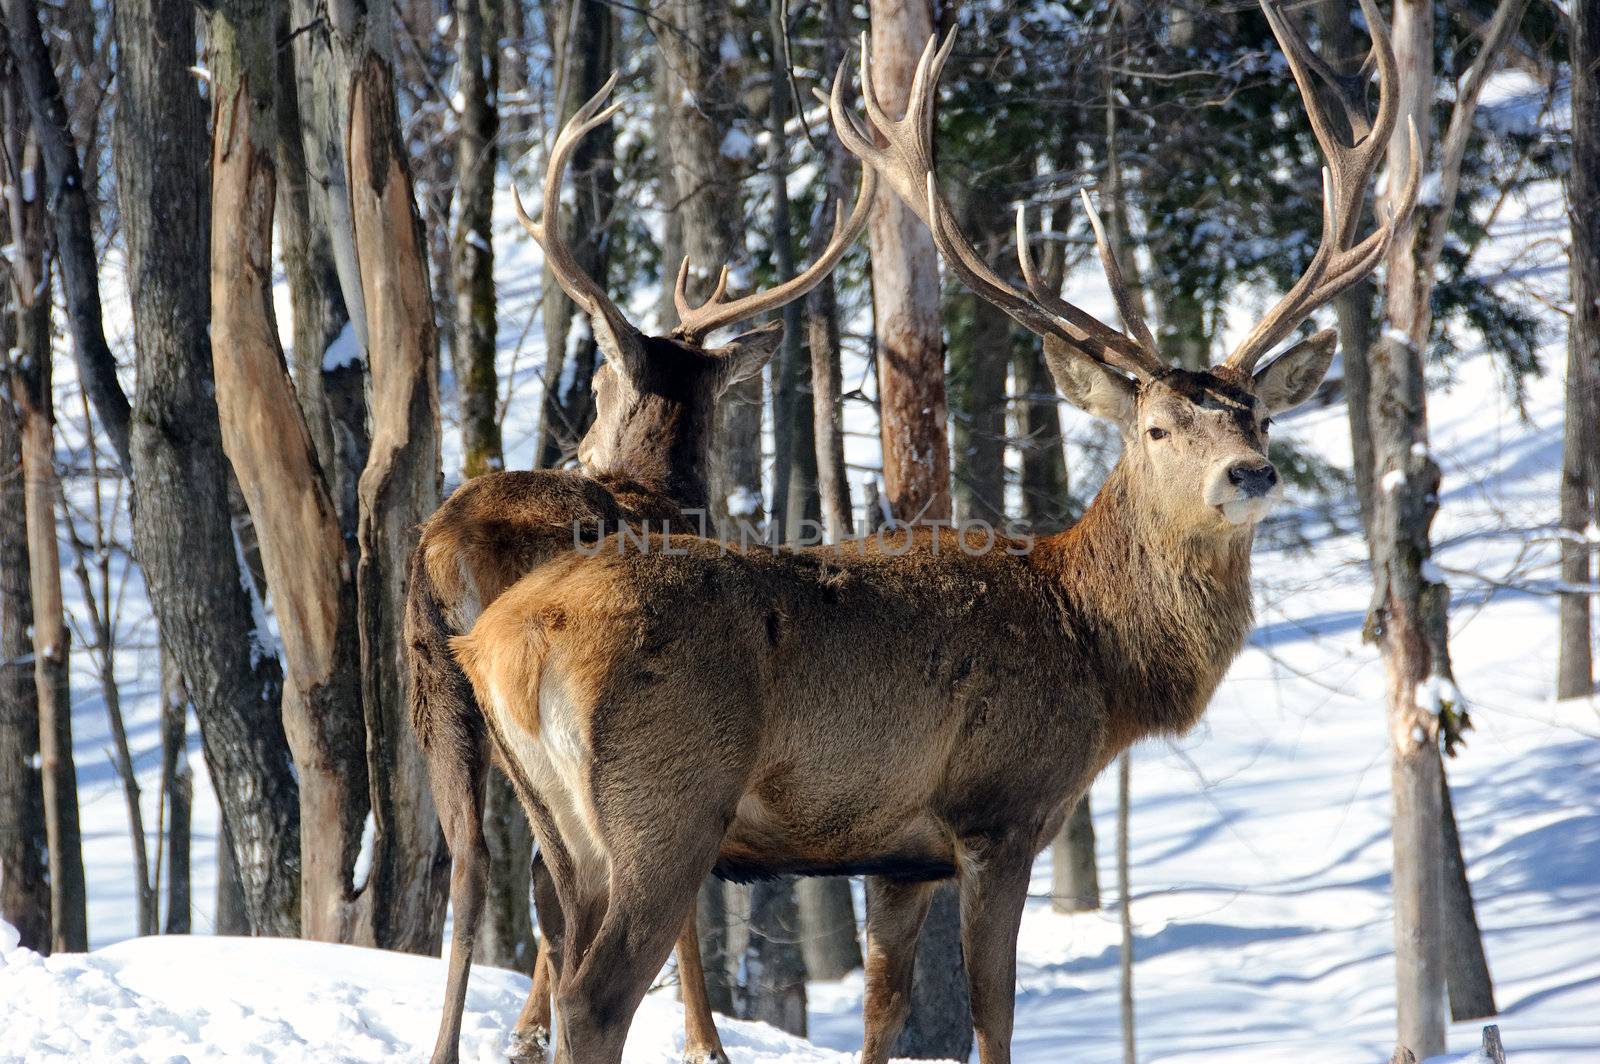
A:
(1158, 434)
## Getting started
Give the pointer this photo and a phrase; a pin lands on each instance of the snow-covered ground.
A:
(1260, 844)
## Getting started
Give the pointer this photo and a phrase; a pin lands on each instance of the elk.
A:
(908, 708)
(645, 460)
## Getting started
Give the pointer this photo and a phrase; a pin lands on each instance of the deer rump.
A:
(843, 713)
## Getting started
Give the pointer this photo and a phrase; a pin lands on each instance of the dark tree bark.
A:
(231, 918)
(177, 788)
(775, 976)
(940, 1026)
(583, 34)
(472, 248)
(1125, 909)
(24, 860)
(1580, 465)
(980, 352)
(400, 484)
(30, 371)
(182, 531)
(822, 332)
(794, 462)
(70, 210)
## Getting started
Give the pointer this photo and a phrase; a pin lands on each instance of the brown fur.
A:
(897, 707)
(648, 449)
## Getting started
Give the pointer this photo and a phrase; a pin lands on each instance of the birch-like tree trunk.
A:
(1404, 505)
(1580, 464)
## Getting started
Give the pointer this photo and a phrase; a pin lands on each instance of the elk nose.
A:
(1253, 479)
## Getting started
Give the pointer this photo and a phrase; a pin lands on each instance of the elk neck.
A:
(1164, 609)
(666, 449)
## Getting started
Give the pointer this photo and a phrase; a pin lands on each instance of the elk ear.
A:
(1094, 389)
(623, 349)
(1291, 377)
(744, 356)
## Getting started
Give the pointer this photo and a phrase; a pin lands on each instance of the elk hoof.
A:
(531, 1046)
(714, 1055)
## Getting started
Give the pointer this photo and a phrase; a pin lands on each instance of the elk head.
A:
(649, 384)
(1195, 440)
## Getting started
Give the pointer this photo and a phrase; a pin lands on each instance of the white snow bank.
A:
(193, 999)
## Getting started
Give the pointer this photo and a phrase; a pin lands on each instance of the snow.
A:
(226, 1000)
(344, 350)
(736, 145)
(1260, 843)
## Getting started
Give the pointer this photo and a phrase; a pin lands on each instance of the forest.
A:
(330, 326)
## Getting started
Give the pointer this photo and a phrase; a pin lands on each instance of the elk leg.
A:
(993, 894)
(895, 911)
(530, 1038)
(455, 769)
(701, 1043)
(650, 897)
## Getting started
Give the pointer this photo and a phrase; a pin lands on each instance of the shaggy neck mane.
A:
(1163, 611)
(665, 450)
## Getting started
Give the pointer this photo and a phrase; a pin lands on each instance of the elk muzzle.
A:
(1244, 490)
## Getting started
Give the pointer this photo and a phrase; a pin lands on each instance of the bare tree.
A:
(400, 484)
(472, 244)
(24, 882)
(1580, 466)
(177, 797)
(583, 40)
(182, 533)
(70, 216)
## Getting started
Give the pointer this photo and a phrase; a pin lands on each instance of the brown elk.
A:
(910, 708)
(645, 460)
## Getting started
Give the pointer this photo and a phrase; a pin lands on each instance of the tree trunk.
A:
(472, 249)
(1580, 465)
(231, 918)
(59, 776)
(399, 486)
(506, 938)
(270, 449)
(774, 991)
(1466, 969)
(177, 785)
(940, 1026)
(583, 34)
(905, 295)
(1402, 512)
(980, 353)
(182, 530)
(827, 915)
(24, 857)
(822, 331)
(71, 214)
(794, 468)
(327, 361)
(1125, 907)
(1074, 877)
(916, 462)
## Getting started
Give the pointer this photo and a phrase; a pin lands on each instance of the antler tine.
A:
(905, 160)
(695, 323)
(1132, 322)
(1340, 261)
(578, 285)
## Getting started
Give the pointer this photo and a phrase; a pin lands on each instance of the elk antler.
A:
(1340, 261)
(578, 285)
(695, 323)
(906, 161)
